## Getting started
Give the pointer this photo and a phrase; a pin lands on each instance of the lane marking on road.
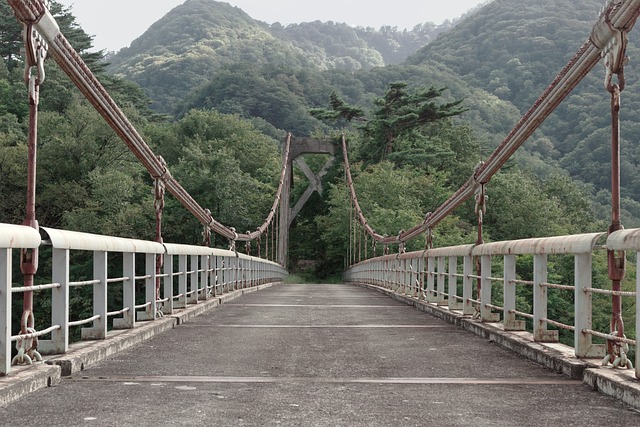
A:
(318, 305)
(327, 297)
(319, 326)
(327, 380)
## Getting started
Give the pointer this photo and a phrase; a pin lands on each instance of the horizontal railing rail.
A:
(439, 276)
(122, 278)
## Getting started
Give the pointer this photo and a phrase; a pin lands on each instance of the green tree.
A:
(401, 113)
(392, 199)
(225, 164)
(398, 116)
(86, 174)
(10, 36)
(521, 207)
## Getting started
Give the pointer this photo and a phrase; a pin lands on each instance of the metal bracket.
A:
(232, 242)
(480, 195)
(206, 232)
(428, 239)
(35, 53)
(613, 43)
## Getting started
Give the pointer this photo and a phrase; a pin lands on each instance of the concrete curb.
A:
(26, 379)
(617, 383)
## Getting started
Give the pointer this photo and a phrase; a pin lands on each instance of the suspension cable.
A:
(618, 16)
(35, 13)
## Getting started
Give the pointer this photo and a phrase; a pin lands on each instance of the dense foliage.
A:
(513, 50)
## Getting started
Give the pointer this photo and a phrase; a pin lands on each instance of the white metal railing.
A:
(122, 268)
(437, 275)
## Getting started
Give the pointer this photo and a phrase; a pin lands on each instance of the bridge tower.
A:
(300, 146)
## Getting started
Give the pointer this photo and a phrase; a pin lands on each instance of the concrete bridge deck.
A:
(317, 355)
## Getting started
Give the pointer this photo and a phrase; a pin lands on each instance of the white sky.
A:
(116, 23)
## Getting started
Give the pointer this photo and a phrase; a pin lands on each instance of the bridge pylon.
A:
(300, 146)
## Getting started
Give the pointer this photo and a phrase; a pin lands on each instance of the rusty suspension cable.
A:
(35, 13)
(617, 16)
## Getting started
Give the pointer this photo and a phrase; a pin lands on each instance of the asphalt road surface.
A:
(317, 355)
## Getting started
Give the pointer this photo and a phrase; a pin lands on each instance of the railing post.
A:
(244, 264)
(254, 272)
(468, 308)
(232, 269)
(213, 274)
(486, 287)
(223, 274)
(236, 273)
(400, 275)
(59, 342)
(583, 309)
(193, 280)
(411, 284)
(204, 275)
(454, 303)
(150, 289)
(255, 268)
(394, 274)
(99, 329)
(167, 284)
(441, 298)
(540, 332)
(258, 272)
(402, 263)
(385, 274)
(509, 291)
(128, 320)
(5, 310)
(431, 279)
(233, 266)
(246, 268)
(182, 281)
(421, 265)
(415, 284)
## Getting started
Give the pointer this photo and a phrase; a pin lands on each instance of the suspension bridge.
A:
(408, 339)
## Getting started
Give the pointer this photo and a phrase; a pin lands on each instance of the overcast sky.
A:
(116, 23)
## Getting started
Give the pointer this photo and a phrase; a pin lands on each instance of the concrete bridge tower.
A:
(300, 146)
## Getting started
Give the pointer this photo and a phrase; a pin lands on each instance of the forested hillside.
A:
(513, 50)
(193, 41)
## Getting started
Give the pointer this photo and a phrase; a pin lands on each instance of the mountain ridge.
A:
(208, 34)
